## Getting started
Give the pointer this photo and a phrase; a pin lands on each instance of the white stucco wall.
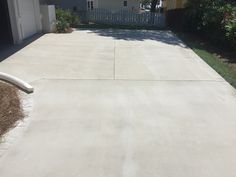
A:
(25, 18)
(118, 4)
(68, 4)
(174, 4)
(48, 18)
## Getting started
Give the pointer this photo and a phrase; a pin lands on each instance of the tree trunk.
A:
(153, 5)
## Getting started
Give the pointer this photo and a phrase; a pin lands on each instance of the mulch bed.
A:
(10, 107)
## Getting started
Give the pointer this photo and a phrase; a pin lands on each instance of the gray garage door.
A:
(5, 27)
(27, 16)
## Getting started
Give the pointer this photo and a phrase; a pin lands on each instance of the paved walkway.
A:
(116, 103)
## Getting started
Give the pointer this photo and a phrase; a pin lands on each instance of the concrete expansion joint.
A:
(132, 80)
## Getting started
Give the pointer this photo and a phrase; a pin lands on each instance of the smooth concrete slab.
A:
(108, 54)
(121, 103)
(63, 56)
(160, 58)
(129, 129)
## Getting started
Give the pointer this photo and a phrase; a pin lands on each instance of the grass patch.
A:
(10, 107)
(210, 54)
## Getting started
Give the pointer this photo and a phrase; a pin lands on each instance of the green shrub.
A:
(65, 19)
(229, 23)
(203, 15)
(216, 19)
(75, 21)
(62, 20)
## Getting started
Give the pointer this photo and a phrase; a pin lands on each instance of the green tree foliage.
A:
(152, 2)
(153, 5)
(145, 2)
(229, 23)
(214, 18)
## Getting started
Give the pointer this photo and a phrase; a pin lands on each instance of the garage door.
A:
(27, 16)
(5, 27)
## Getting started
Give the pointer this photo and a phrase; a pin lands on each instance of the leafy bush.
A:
(215, 19)
(202, 15)
(75, 21)
(65, 20)
(229, 23)
(62, 20)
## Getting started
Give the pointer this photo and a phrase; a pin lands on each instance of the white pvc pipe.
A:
(16, 81)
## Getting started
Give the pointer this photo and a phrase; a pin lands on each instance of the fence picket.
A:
(125, 17)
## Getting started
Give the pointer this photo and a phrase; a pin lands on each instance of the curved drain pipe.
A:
(17, 82)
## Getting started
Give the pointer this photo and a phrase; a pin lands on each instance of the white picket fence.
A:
(125, 17)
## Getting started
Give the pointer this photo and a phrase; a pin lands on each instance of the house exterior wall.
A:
(25, 18)
(48, 18)
(118, 4)
(80, 5)
(83, 4)
(174, 4)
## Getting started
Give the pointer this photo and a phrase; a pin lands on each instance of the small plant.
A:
(62, 26)
(65, 19)
(75, 21)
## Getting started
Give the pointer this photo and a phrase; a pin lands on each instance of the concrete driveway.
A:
(118, 103)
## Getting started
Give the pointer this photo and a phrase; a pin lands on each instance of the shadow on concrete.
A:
(163, 36)
(8, 50)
